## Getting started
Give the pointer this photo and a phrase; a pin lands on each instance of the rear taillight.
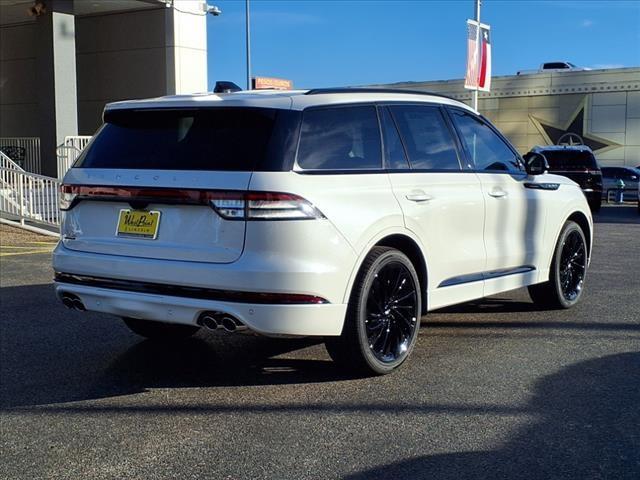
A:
(67, 197)
(230, 205)
(263, 206)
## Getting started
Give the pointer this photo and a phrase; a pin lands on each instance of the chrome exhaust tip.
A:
(229, 324)
(73, 302)
(78, 305)
(232, 324)
(223, 321)
(209, 322)
(67, 302)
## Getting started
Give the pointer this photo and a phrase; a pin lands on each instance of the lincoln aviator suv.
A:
(345, 214)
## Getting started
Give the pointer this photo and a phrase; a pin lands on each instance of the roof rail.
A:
(319, 91)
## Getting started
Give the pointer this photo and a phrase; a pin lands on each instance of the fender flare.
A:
(575, 208)
(373, 242)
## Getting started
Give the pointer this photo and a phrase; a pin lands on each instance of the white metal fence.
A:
(6, 162)
(25, 151)
(28, 196)
(69, 151)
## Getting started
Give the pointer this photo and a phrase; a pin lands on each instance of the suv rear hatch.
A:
(151, 180)
(578, 165)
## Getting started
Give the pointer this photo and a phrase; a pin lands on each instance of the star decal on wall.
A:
(573, 133)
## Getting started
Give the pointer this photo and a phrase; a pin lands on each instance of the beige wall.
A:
(145, 50)
(18, 86)
(138, 54)
(119, 56)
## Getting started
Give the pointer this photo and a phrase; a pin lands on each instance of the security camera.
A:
(213, 10)
(38, 8)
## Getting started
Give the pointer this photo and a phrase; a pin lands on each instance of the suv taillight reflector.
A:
(229, 204)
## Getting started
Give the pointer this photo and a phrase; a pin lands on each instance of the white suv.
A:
(341, 213)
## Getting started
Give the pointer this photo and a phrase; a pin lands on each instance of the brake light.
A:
(264, 206)
(229, 204)
(67, 197)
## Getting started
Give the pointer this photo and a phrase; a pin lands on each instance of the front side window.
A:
(486, 150)
(427, 138)
(341, 138)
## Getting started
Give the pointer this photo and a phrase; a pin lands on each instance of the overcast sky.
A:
(335, 43)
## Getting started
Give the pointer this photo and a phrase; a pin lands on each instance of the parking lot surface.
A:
(494, 389)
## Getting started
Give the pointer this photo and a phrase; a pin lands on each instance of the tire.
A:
(158, 330)
(566, 277)
(383, 320)
(595, 205)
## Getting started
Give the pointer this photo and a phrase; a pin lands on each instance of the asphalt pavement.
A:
(495, 389)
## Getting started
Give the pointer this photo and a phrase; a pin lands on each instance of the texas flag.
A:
(478, 59)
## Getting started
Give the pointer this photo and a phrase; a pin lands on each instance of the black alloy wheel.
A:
(390, 313)
(567, 273)
(573, 265)
(383, 317)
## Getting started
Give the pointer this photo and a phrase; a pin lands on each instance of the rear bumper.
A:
(592, 194)
(303, 320)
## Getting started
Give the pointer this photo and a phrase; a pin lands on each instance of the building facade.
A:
(600, 108)
(62, 62)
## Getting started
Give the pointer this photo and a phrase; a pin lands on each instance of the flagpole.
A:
(248, 31)
(478, 53)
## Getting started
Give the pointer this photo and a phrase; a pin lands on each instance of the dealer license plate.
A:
(138, 223)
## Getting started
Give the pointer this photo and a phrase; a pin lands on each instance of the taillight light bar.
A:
(229, 204)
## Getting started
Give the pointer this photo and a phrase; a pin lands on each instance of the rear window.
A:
(570, 160)
(342, 138)
(556, 65)
(235, 139)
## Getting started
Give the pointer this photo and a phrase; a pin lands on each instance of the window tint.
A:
(202, 139)
(428, 140)
(394, 151)
(570, 160)
(556, 65)
(486, 150)
(617, 172)
(340, 138)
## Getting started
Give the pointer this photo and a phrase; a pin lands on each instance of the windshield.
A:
(570, 160)
(195, 139)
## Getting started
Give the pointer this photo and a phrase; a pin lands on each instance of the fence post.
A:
(21, 197)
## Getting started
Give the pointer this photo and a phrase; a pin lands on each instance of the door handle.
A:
(498, 193)
(419, 196)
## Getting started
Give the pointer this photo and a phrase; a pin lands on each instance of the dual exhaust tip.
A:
(73, 302)
(217, 320)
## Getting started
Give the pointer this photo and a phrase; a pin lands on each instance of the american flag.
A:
(478, 74)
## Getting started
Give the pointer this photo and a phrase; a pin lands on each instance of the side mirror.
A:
(535, 163)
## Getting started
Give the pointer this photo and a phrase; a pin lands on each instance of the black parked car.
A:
(579, 164)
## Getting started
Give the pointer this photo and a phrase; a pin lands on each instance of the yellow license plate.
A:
(138, 223)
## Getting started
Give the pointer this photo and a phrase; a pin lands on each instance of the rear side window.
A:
(427, 138)
(235, 139)
(395, 157)
(342, 138)
(485, 149)
(560, 160)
